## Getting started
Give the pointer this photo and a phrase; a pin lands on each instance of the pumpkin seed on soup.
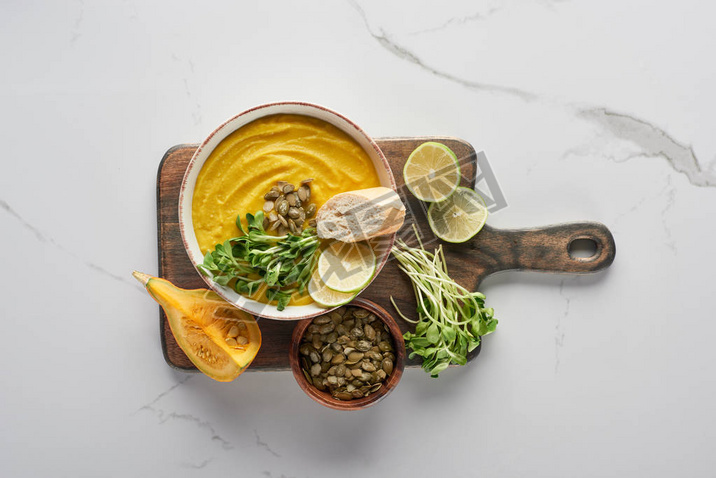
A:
(285, 204)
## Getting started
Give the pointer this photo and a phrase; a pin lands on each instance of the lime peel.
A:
(324, 295)
(432, 172)
(458, 218)
(347, 267)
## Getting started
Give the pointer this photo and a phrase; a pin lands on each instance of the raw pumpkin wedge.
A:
(218, 338)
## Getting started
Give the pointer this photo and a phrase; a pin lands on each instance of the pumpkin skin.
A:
(203, 324)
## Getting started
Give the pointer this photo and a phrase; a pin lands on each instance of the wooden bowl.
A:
(325, 398)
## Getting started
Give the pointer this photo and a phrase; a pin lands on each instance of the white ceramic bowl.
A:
(200, 156)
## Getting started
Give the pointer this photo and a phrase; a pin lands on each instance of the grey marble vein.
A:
(196, 110)
(632, 209)
(107, 273)
(197, 466)
(134, 14)
(645, 200)
(455, 21)
(403, 53)
(163, 416)
(271, 475)
(203, 424)
(649, 138)
(38, 234)
(552, 3)
(264, 445)
(652, 142)
(44, 238)
(670, 202)
(479, 16)
(76, 29)
(558, 330)
(163, 394)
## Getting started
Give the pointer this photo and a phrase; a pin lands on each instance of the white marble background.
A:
(587, 110)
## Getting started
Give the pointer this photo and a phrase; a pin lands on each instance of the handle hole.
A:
(582, 248)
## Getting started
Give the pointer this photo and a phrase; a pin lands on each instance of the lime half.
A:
(346, 266)
(324, 295)
(432, 172)
(459, 217)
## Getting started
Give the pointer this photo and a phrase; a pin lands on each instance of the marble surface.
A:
(586, 110)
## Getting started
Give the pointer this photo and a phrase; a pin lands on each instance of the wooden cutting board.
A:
(492, 250)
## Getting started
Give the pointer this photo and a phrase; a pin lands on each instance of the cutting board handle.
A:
(545, 249)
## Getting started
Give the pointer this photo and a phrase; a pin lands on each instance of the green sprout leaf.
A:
(284, 263)
(451, 319)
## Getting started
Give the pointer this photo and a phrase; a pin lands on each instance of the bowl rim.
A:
(269, 311)
(389, 385)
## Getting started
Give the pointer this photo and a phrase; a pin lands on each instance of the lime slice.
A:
(459, 217)
(432, 172)
(346, 266)
(324, 295)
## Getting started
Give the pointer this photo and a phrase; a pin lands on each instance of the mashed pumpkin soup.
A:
(249, 161)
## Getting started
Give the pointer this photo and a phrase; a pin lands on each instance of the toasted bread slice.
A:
(359, 215)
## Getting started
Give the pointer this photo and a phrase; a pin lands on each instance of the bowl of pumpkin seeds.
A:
(348, 358)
